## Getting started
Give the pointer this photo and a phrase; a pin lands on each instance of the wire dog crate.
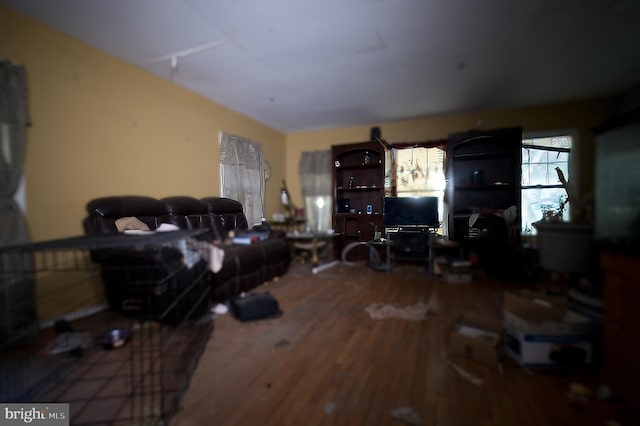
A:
(112, 325)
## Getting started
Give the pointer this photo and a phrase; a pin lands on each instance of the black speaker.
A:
(375, 133)
(344, 205)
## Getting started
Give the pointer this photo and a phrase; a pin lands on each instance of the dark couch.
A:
(244, 266)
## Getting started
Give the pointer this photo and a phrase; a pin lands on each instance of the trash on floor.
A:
(406, 415)
(69, 341)
(329, 407)
(282, 343)
(220, 309)
(465, 374)
(579, 392)
(417, 312)
(476, 337)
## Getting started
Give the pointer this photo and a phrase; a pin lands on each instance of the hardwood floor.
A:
(326, 362)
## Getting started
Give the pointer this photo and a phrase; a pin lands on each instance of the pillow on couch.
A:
(131, 223)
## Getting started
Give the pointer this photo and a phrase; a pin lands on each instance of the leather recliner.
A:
(244, 267)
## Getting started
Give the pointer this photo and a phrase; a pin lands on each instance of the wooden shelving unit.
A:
(484, 174)
(484, 180)
(358, 177)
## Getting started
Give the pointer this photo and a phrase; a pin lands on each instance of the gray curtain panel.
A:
(18, 311)
(315, 173)
(242, 175)
(14, 119)
(314, 169)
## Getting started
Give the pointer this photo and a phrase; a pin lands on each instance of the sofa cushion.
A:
(103, 212)
(187, 212)
(226, 215)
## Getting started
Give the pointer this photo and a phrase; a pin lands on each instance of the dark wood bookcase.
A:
(483, 176)
(358, 196)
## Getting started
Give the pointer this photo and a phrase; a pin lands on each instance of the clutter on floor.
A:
(254, 306)
(406, 415)
(417, 312)
(465, 374)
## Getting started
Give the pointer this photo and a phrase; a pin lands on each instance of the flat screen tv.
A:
(417, 212)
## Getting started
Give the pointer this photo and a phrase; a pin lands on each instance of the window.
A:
(420, 172)
(242, 175)
(541, 188)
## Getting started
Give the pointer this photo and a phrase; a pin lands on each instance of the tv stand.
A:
(405, 229)
(410, 243)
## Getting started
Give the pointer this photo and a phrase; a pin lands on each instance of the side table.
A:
(310, 241)
(376, 264)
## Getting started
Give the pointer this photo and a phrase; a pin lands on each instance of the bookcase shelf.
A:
(358, 178)
(484, 177)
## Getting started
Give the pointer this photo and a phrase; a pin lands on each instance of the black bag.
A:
(254, 307)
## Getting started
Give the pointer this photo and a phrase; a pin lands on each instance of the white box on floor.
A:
(476, 337)
(539, 333)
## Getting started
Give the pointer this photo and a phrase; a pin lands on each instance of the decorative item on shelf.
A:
(267, 170)
(366, 159)
(350, 184)
(285, 199)
(344, 205)
(477, 177)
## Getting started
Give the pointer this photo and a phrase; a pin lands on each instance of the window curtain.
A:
(19, 319)
(317, 189)
(14, 119)
(242, 175)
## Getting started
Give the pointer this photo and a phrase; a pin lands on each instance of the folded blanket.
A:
(130, 223)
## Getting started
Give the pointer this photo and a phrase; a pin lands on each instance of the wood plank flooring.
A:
(326, 362)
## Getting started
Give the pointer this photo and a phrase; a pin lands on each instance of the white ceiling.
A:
(298, 65)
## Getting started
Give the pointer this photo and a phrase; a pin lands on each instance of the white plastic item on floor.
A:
(220, 309)
(324, 266)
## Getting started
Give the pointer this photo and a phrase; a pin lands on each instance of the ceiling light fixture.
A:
(175, 57)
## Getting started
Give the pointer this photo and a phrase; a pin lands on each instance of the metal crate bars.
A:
(113, 325)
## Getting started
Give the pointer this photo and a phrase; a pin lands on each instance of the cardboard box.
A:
(542, 333)
(477, 338)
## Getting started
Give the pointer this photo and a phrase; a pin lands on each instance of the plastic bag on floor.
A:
(406, 415)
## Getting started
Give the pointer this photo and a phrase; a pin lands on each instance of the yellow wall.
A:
(103, 127)
(581, 116)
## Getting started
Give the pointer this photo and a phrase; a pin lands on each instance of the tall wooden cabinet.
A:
(484, 172)
(621, 369)
(483, 183)
(358, 196)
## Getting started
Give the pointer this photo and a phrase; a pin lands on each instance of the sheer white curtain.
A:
(316, 183)
(14, 119)
(19, 319)
(242, 174)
